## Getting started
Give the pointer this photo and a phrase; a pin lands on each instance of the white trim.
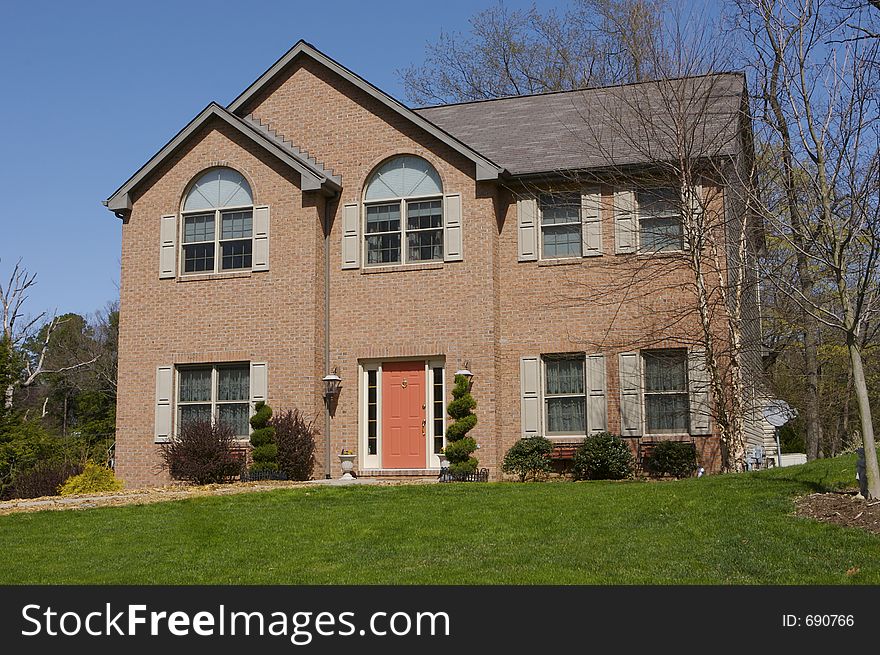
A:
(218, 255)
(404, 250)
(175, 401)
(542, 394)
(540, 220)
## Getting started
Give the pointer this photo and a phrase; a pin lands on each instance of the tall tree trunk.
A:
(870, 445)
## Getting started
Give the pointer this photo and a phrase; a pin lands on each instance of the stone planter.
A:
(347, 462)
(444, 462)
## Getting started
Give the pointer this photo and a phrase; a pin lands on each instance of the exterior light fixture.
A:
(332, 385)
(465, 371)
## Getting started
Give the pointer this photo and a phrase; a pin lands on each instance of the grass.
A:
(731, 529)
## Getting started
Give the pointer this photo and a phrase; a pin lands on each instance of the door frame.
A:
(374, 462)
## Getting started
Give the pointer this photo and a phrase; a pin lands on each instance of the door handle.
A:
(424, 421)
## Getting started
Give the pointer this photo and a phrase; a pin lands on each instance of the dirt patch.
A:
(164, 494)
(845, 509)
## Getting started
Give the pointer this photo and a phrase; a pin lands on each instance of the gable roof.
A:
(486, 168)
(313, 175)
(595, 128)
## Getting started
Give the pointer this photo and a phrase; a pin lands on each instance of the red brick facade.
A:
(488, 310)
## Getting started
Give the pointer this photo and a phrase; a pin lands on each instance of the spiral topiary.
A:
(265, 450)
(459, 446)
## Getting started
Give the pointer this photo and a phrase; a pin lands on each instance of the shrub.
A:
(93, 479)
(530, 456)
(602, 456)
(265, 453)
(295, 441)
(675, 458)
(203, 453)
(42, 479)
(459, 446)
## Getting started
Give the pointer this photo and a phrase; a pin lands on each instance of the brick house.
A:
(316, 225)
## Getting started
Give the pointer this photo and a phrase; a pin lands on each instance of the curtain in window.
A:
(195, 385)
(666, 372)
(667, 412)
(236, 417)
(566, 414)
(234, 383)
(564, 376)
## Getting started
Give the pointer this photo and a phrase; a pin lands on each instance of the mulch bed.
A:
(841, 509)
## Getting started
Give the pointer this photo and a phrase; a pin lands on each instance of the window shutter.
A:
(168, 246)
(351, 236)
(698, 385)
(591, 222)
(597, 409)
(527, 223)
(164, 392)
(692, 197)
(259, 382)
(630, 374)
(530, 401)
(261, 239)
(625, 221)
(452, 232)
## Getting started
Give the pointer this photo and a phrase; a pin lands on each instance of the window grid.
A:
(565, 397)
(372, 412)
(660, 226)
(217, 405)
(560, 225)
(422, 231)
(226, 231)
(667, 402)
(439, 409)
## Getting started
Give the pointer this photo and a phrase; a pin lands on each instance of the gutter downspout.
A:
(327, 206)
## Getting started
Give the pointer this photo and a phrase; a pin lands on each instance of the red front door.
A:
(403, 415)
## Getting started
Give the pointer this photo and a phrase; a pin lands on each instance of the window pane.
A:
(236, 225)
(666, 371)
(425, 245)
(235, 416)
(236, 254)
(562, 241)
(194, 385)
(383, 249)
(424, 215)
(560, 208)
(439, 410)
(667, 412)
(564, 376)
(383, 218)
(654, 203)
(372, 418)
(661, 234)
(198, 228)
(190, 413)
(234, 383)
(198, 258)
(566, 415)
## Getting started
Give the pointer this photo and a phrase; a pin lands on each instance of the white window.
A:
(659, 219)
(560, 225)
(667, 407)
(217, 226)
(404, 213)
(565, 398)
(215, 393)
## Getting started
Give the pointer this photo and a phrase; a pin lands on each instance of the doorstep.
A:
(398, 473)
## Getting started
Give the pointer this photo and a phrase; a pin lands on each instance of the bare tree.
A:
(516, 52)
(18, 328)
(820, 84)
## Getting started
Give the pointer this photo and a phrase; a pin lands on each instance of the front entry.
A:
(403, 415)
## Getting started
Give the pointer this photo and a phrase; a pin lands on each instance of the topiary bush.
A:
(94, 479)
(458, 445)
(42, 479)
(295, 440)
(530, 456)
(602, 456)
(203, 453)
(675, 458)
(265, 452)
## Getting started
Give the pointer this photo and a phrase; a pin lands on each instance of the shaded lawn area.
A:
(720, 529)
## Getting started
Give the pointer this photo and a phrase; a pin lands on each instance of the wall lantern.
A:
(465, 371)
(332, 385)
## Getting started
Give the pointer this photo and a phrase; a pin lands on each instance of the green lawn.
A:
(718, 529)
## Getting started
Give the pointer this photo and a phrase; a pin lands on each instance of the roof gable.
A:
(486, 168)
(314, 176)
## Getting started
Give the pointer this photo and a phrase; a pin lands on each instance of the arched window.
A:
(404, 205)
(218, 217)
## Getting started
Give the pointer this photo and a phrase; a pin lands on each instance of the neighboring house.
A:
(318, 225)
